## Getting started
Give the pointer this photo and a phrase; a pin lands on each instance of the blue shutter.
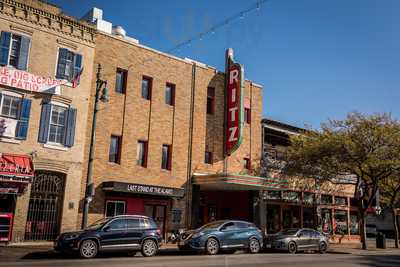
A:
(77, 66)
(62, 61)
(5, 41)
(23, 53)
(44, 123)
(69, 135)
(23, 123)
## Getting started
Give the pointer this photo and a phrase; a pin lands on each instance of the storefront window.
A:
(273, 195)
(341, 201)
(354, 226)
(308, 217)
(326, 220)
(273, 218)
(341, 222)
(308, 198)
(326, 199)
(291, 196)
(114, 208)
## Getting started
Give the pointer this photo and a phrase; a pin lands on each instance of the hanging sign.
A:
(234, 104)
(26, 81)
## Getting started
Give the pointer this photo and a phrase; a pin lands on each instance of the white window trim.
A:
(29, 51)
(54, 145)
(114, 201)
(9, 140)
(67, 83)
(11, 94)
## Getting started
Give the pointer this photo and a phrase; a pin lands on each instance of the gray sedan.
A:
(296, 239)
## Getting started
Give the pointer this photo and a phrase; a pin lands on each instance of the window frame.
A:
(247, 115)
(210, 157)
(169, 157)
(173, 90)
(65, 107)
(145, 153)
(14, 96)
(19, 50)
(149, 87)
(114, 201)
(118, 147)
(210, 97)
(247, 163)
(124, 80)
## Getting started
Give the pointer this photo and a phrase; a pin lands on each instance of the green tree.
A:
(366, 148)
(390, 198)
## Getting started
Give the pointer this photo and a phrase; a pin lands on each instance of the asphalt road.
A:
(238, 259)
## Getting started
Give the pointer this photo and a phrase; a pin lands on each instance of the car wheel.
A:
(292, 247)
(88, 249)
(149, 248)
(254, 246)
(323, 247)
(212, 246)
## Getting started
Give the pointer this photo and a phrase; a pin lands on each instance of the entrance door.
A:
(45, 206)
(157, 212)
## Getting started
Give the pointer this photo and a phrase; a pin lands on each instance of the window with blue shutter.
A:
(44, 123)
(5, 40)
(69, 135)
(69, 65)
(23, 53)
(23, 123)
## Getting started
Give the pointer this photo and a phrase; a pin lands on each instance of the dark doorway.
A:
(157, 212)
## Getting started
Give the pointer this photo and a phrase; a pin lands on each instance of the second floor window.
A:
(170, 94)
(9, 106)
(141, 157)
(69, 66)
(115, 149)
(210, 100)
(247, 163)
(208, 157)
(57, 124)
(14, 50)
(120, 81)
(146, 88)
(247, 115)
(166, 157)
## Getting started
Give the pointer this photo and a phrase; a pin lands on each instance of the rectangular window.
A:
(9, 106)
(120, 81)
(115, 208)
(166, 157)
(208, 157)
(69, 66)
(170, 94)
(247, 115)
(341, 201)
(247, 163)
(57, 124)
(341, 222)
(141, 157)
(210, 100)
(115, 149)
(146, 87)
(14, 50)
(326, 199)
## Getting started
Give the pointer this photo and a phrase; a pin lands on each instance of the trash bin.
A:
(380, 240)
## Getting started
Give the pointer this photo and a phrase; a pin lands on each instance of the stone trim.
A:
(49, 165)
(67, 44)
(58, 98)
(21, 29)
(61, 23)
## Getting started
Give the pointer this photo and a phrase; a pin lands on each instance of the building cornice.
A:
(58, 22)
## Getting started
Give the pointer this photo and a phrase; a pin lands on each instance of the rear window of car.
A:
(148, 223)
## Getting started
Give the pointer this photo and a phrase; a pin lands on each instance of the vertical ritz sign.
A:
(234, 104)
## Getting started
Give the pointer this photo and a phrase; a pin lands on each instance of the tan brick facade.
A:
(49, 30)
(135, 118)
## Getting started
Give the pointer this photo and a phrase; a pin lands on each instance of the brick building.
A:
(159, 140)
(42, 120)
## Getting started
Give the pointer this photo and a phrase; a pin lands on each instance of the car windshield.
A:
(212, 225)
(288, 232)
(97, 224)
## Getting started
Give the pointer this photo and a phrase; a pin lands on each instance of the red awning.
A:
(16, 168)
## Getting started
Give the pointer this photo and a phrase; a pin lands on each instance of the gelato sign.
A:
(26, 81)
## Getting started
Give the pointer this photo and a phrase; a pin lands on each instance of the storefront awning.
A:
(143, 189)
(238, 182)
(16, 168)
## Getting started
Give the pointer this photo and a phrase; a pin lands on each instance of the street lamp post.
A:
(100, 84)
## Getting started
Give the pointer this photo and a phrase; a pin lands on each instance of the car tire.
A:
(88, 249)
(212, 246)
(254, 246)
(292, 247)
(149, 248)
(323, 247)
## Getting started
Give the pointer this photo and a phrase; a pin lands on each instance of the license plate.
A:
(268, 245)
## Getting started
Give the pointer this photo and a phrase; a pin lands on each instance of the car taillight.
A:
(158, 231)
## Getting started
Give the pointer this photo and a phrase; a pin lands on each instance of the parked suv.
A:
(122, 233)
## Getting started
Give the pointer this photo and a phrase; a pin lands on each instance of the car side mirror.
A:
(106, 229)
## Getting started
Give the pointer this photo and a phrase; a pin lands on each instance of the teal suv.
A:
(226, 235)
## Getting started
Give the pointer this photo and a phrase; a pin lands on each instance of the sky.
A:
(316, 59)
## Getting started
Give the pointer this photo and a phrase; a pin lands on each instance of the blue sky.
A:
(316, 59)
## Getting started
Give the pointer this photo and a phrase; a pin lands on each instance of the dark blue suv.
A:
(123, 233)
(227, 235)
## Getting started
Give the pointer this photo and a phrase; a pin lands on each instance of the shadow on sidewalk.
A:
(379, 260)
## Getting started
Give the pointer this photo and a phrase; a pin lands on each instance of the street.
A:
(342, 259)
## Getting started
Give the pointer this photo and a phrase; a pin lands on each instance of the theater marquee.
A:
(234, 104)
